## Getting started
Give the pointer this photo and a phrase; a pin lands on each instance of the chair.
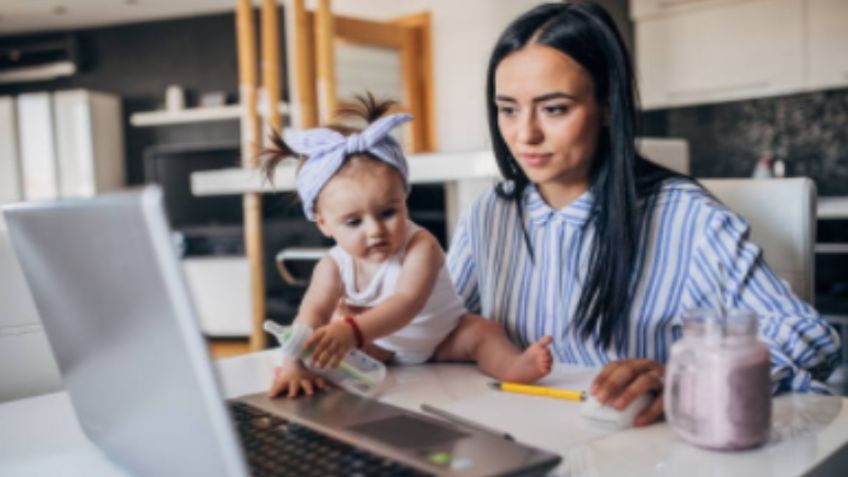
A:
(782, 215)
(295, 264)
(672, 153)
(27, 366)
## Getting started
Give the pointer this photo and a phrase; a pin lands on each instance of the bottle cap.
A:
(291, 338)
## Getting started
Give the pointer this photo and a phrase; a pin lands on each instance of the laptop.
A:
(107, 283)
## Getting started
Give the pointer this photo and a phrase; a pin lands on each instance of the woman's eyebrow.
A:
(539, 99)
(554, 95)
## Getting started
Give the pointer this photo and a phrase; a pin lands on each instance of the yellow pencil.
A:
(556, 393)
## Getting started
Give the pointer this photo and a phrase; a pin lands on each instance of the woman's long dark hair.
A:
(619, 177)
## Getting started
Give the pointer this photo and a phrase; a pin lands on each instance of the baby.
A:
(384, 287)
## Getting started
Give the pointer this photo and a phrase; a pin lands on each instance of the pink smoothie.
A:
(718, 389)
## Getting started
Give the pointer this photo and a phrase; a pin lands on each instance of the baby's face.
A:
(363, 208)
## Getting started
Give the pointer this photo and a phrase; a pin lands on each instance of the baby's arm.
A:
(422, 262)
(323, 294)
(325, 289)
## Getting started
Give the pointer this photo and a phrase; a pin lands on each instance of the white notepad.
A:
(536, 420)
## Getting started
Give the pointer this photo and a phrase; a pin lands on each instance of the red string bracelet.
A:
(357, 333)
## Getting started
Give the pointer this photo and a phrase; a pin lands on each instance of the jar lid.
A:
(719, 326)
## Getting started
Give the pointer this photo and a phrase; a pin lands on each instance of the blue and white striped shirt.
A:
(690, 237)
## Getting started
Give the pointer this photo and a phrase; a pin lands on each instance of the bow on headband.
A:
(328, 149)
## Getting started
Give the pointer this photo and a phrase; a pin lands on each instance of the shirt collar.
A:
(576, 213)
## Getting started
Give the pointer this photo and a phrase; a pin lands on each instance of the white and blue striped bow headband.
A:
(327, 150)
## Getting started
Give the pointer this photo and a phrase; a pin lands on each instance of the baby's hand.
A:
(331, 343)
(292, 376)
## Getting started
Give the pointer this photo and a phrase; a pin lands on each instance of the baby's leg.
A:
(484, 341)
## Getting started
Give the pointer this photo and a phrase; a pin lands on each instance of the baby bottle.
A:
(718, 389)
(358, 373)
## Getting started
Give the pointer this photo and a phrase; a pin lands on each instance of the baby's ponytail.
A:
(271, 156)
(365, 107)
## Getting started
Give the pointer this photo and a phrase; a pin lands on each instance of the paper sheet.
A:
(552, 424)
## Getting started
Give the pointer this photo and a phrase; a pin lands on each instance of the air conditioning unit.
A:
(42, 58)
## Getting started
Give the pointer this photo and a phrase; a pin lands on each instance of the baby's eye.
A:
(388, 213)
(555, 109)
(352, 223)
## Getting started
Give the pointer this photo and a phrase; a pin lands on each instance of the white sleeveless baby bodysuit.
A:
(415, 342)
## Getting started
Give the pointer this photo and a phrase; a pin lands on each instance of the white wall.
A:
(464, 32)
(463, 36)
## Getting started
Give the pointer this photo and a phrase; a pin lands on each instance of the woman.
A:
(590, 243)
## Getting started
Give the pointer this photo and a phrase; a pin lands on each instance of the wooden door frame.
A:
(410, 35)
(420, 23)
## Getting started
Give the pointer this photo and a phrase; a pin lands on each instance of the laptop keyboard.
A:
(275, 446)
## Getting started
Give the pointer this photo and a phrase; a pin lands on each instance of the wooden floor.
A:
(226, 347)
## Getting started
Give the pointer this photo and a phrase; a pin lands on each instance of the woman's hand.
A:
(331, 343)
(293, 377)
(620, 382)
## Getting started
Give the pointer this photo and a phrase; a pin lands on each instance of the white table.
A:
(41, 436)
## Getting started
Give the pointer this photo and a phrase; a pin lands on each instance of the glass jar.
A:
(718, 387)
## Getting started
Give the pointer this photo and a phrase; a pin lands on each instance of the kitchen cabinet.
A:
(10, 182)
(70, 144)
(691, 52)
(38, 165)
(220, 289)
(650, 8)
(831, 262)
(89, 140)
(827, 46)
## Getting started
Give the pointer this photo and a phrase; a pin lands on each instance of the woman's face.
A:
(549, 119)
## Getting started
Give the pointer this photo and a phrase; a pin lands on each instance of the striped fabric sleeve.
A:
(463, 270)
(804, 347)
